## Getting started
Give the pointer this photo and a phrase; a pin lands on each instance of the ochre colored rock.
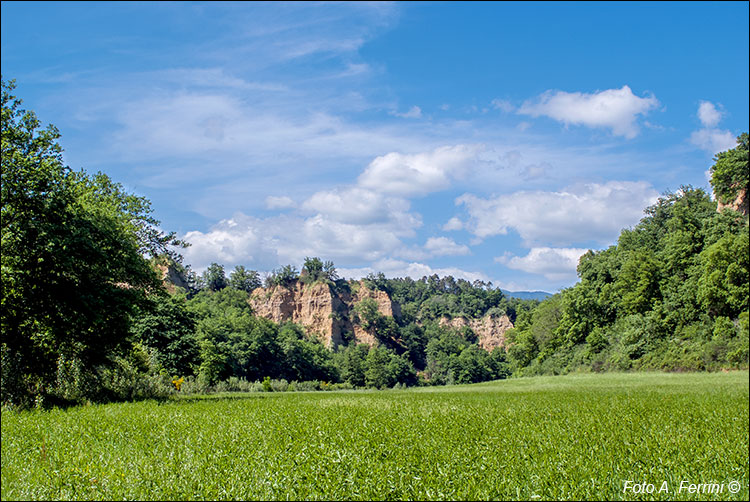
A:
(741, 203)
(316, 307)
(170, 277)
(327, 313)
(489, 329)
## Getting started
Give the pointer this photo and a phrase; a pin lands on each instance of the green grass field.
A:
(569, 437)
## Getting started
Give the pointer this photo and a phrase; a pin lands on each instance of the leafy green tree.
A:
(351, 364)
(232, 341)
(214, 277)
(367, 312)
(723, 284)
(730, 173)
(285, 276)
(401, 370)
(473, 365)
(165, 324)
(244, 280)
(303, 358)
(74, 260)
(315, 270)
(377, 373)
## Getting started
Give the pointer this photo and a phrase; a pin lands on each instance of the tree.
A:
(167, 326)
(351, 363)
(286, 276)
(304, 359)
(377, 371)
(74, 259)
(214, 277)
(730, 173)
(232, 341)
(244, 280)
(314, 269)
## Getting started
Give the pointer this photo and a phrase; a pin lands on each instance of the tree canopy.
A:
(74, 265)
(731, 173)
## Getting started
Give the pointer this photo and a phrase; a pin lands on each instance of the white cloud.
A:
(616, 109)
(360, 206)
(555, 264)
(282, 202)
(414, 112)
(453, 224)
(266, 243)
(443, 246)
(710, 138)
(713, 140)
(418, 174)
(235, 241)
(590, 212)
(708, 114)
(415, 270)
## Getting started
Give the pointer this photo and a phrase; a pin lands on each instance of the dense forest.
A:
(671, 294)
(86, 314)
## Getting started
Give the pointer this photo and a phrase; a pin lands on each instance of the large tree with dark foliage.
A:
(74, 265)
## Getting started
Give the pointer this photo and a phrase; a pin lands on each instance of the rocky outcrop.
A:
(321, 309)
(316, 307)
(489, 329)
(741, 203)
(327, 313)
(171, 277)
(386, 306)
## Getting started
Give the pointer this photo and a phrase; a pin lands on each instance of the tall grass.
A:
(572, 437)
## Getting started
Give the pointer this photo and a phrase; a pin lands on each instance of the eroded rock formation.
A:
(321, 309)
(489, 329)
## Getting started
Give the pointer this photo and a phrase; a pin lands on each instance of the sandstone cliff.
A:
(741, 203)
(489, 329)
(327, 313)
(170, 277)
(321, 309)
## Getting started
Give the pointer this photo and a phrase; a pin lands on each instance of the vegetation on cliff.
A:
(86, 317)
(671, 294)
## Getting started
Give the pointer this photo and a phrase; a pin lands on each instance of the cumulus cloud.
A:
(709, 137)
(415, 270)
(418, 174)
(234, 241)
(708, 114)
(590, 212)
(616, 109)
(360, 206)
(713, 140)
(555, 264)
(453, 224)
(282, 202)
(443, 246)
(267, 243)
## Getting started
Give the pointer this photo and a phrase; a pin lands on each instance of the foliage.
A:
(74, 265)
(214, 277)
(315, 270)
(165, 325)
(730, 173)
(285, 276)
(244, 280)
(669, 295)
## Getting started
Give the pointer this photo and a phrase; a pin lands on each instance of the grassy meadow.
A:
(568, 437)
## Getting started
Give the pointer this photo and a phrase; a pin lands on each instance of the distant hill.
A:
(527, 295)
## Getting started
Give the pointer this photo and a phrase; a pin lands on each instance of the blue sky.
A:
(492, 141)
